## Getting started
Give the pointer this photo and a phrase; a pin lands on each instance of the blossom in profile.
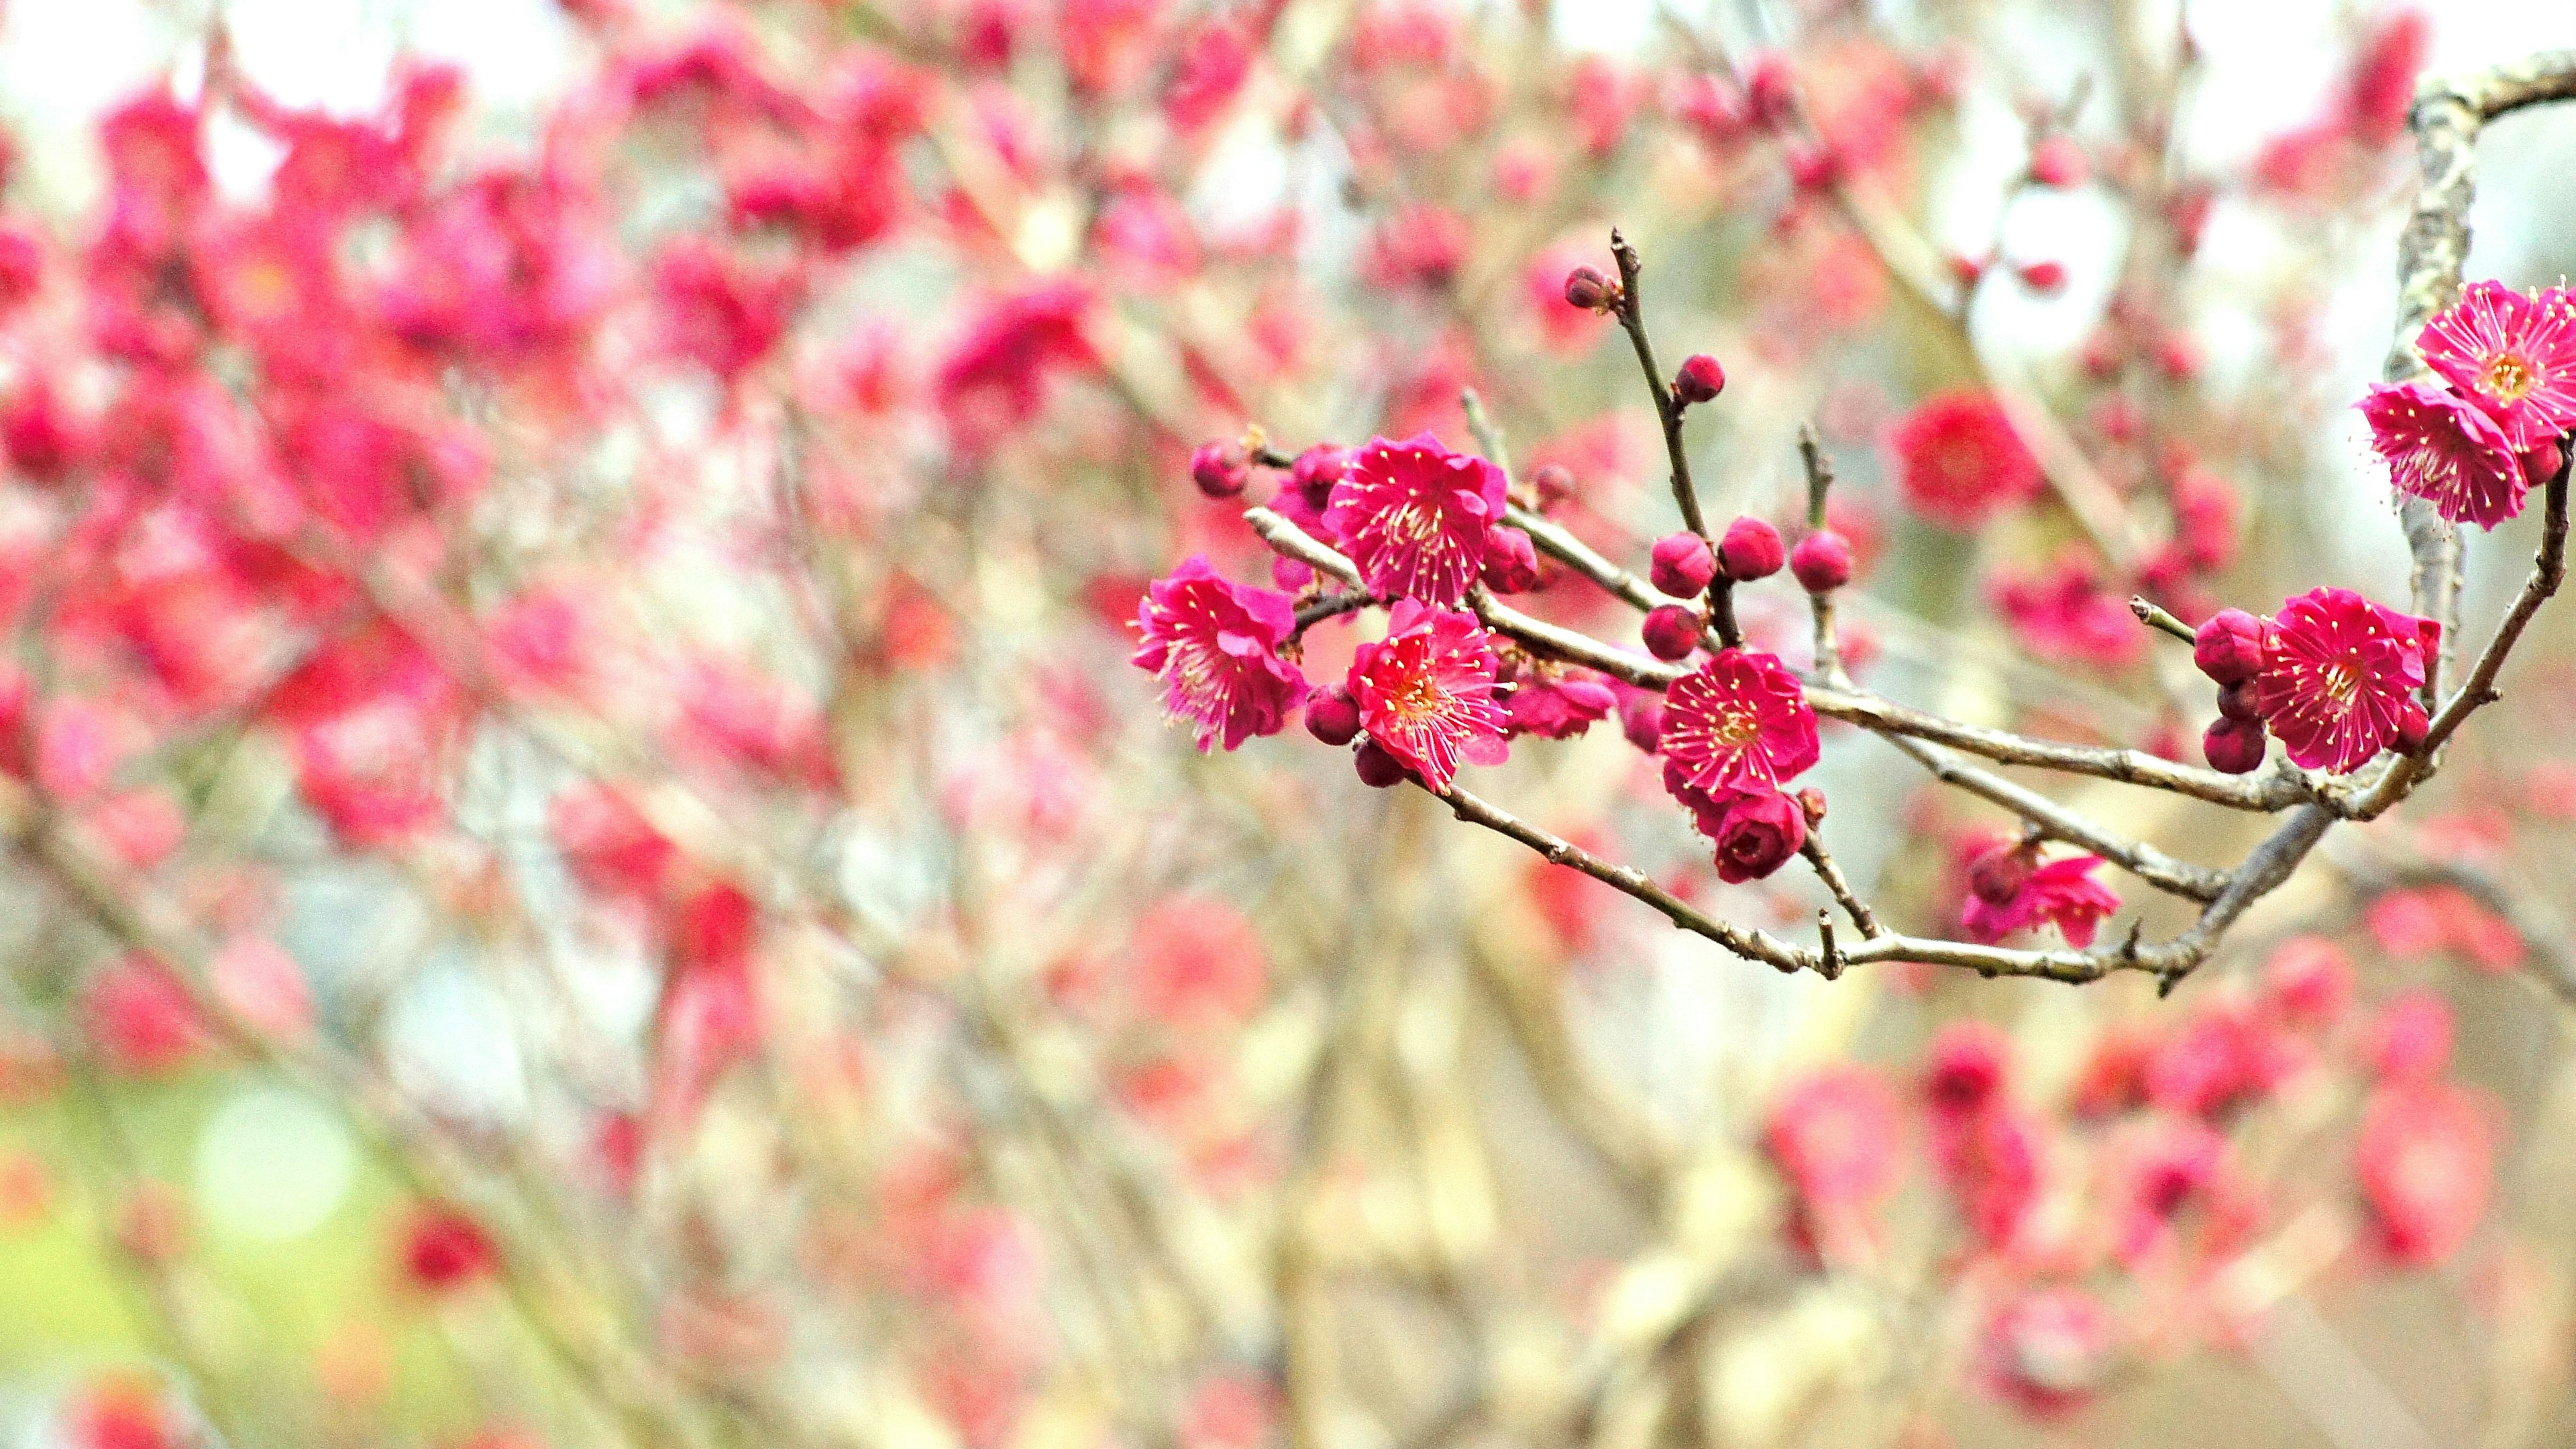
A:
(2514, 355)
(2444, 449)
(1215, 645)
(2339, 678)
(1413, 516)
(1427, 693)
(2426, 1161)
(1739, 720)
(1959, 462)
(1559, 706)
(2061, 893)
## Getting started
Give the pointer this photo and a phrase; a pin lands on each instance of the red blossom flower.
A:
(2061, 893)
(1834, 1134)
(2515, 355)
(2444, 449)
(1215, 646)
(2070, 613)
(1426, 693)
(1413, 516)
(1739, 719)
(1960, 462)
(2426, 1161)
(2339, 676)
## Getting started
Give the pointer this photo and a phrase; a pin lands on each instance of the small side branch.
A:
(1668, 409)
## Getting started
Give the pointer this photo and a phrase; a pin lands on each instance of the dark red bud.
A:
(1822, 561)
(1376, 767)
(2543, 462)
(1219, 469)
(1333, 716)
(1671, 632)
(1998, 875)
(1700, 380)
(2236, 701)
(2234, 746)
(1750, 550)
(1641, 719)
(1681, 565)
(2412, 727)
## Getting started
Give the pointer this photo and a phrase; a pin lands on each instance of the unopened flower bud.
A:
(2229, 647)
(1586, 288)
(1822, 561)
(1750, 550)
(1812, 801)
(1998, 875)
(1641, 719)
(2058, 161)
(2236, 701)
(1553, 484)
(1316, 471)
(1681, 565)
(1700, 379)
(2412, 727)
(2543, 462)
(1219, 469)
(1377, 768)
(1333, 716)
(1511, 562)
(1671, 632)
(2234, 746)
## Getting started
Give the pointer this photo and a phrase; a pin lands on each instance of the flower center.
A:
(2509, 378)
(2341, 679)
(1733, 727)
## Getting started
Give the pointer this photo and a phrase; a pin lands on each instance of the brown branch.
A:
(2055, 822)
(1822, 861)
(1668, 409)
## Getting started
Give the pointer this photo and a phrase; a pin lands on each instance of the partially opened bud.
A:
(2229, 647)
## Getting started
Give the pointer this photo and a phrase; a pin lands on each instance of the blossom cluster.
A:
(2474, 443)
(1423, 530)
